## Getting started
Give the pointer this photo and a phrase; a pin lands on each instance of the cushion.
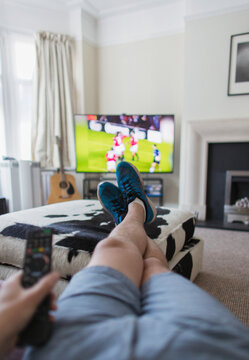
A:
(80, 224)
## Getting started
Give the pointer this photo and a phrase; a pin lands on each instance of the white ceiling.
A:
(103, 8)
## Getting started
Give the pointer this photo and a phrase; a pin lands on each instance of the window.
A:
(18, 59)
(2, 129)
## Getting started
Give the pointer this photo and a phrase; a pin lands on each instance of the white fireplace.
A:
(195, 137)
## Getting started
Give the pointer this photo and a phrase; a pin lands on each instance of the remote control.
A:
(37, 263)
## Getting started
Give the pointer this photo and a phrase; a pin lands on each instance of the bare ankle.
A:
(136, 212)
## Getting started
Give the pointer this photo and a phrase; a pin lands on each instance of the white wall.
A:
(206, 103)
(91, 78)
(142, 24)
(206, 67)
(145, 77)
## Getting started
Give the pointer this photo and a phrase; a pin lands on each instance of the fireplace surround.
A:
(196, 136)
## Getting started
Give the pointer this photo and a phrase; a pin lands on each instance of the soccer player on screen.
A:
(134, 145)
(118, 145)
(111, 160)
(156, 159)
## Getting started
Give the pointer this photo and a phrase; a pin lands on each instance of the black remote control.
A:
(37, 263)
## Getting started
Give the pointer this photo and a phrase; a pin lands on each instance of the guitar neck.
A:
(62, 173)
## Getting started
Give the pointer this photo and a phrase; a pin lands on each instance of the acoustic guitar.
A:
(62, 186)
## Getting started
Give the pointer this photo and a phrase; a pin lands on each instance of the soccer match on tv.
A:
(102, 141)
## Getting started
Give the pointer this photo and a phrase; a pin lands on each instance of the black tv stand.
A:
(153, 187)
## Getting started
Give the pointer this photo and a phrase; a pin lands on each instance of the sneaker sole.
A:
(149, 201)
(99, 198)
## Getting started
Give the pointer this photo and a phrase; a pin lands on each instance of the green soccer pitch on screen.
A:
(102, 141)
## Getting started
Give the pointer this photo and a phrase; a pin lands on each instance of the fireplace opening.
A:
(236, 207)
(222, 158)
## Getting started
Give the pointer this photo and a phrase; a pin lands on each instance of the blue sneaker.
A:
(131, 185)
(112, 200)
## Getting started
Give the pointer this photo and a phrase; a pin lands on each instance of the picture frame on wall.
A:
(238, 77)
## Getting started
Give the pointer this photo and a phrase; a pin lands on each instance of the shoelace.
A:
(130, 190)
(117, 207)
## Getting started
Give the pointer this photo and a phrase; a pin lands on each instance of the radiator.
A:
(20, 184)
(46, 175)
(10, 184)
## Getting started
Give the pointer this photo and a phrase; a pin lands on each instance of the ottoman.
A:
(80, 224)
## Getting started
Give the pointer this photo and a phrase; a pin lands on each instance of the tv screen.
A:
(147, 141)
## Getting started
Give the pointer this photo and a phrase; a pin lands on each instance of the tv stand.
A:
(152, 186)
(90, 186)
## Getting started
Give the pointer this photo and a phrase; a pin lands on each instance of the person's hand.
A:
(17, 306)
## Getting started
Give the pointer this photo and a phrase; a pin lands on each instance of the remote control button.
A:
(38, 264)
(36, 273)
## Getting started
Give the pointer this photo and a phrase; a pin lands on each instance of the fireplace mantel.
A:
(195, 137)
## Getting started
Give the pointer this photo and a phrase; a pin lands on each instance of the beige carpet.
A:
(225, 272)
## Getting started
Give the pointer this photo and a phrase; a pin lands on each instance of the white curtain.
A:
(53, 101)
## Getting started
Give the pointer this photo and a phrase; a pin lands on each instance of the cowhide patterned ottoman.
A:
(79, 225)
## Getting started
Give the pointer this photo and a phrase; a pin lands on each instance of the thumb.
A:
(15, 278)
(43, 287)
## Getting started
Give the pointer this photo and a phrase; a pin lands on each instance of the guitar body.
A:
(62, 189)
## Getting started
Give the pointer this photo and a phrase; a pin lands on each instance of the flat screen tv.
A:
(147, 141)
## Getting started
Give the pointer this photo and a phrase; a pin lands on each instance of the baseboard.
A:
(198, 210)
(171, 205)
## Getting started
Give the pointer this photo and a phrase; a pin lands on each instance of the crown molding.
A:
(135, 6)
(218, 12)
(65, 5)
(118, 10)
(51, 5)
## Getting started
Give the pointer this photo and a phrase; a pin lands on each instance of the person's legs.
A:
(96, 318)
(169, 295)
(178, 318)
(104, 297)
(123, 249)
(154, 261)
